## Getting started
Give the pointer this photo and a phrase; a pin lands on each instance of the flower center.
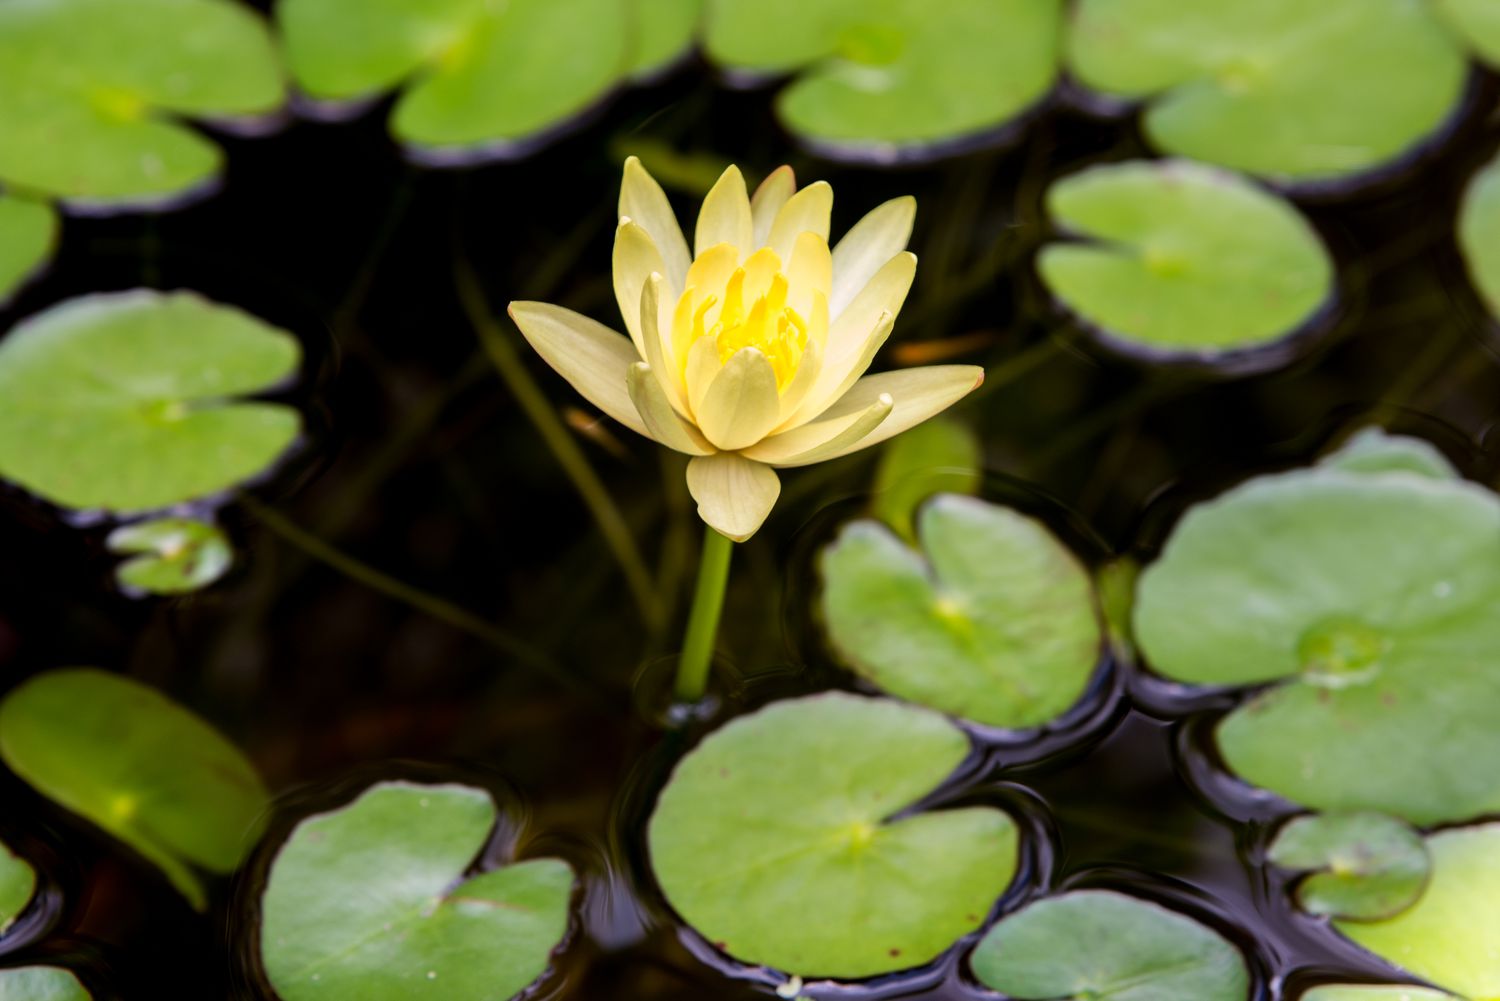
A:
(754, 314)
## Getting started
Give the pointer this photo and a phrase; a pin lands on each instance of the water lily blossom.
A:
(750, 354)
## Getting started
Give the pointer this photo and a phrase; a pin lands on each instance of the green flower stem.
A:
(703, 620)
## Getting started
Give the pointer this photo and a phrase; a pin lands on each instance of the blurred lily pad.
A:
(170, 555)
(940, 456)
(1477, 22)
(93, 87)
(1479, 234)
(125, 402)
(1180, 258)
(664, 32)
(1448, 937)
(476, 77)
(375, 901)
(1300, 93)
(41, 983)
(778, 839)
(1374, 992)
(886, 77)
(1373, 450)
(1107, 946)
(138, 765)
(17, 885)
(993, 619)
(1372, 600)
(1365, 866)
(28, 233)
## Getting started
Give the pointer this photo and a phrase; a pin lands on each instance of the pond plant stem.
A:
(703, 620)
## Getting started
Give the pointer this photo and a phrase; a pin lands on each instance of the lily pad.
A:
(375, 901)
(140, 766)
(28, 233)
(877, 77)
(17, 885)
(41, 983)
(1372, 450)
(125, 402)
(170, 555)
(1183, 259)
(1448, 938)
(1374, 992)
(664, 32)
(1300, 93)
(1476, 22)
(1107, 946)
(93, 87)
(476, 77)
(1479, 234)
(993, 619)
(778, 839)
(940, 456)
(1370, 602)
(1365, 866)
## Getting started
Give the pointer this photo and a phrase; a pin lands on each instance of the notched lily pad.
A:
(1374, 992)
(1182, 259)
(170, 555)
(1372, 450)
(41, 983)
(664, 31)
(1365, 866)
(993, 619)
(1476, 22)
(28, 235)
(1107, 946)
(138, 765)
(886, 78)
(17, 886)
(939, 456)
(376, 901)
(1479, 234)
(782, 840)
(127, 402)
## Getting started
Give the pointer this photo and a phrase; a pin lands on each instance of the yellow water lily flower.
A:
(749, 356)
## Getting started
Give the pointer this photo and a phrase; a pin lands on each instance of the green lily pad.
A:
(138, 765)
(1107, 946)
(1448, 937)
(41, 983)
(93, 86)
(882, 75)
(1479, 234)
(992, 620)
(1372, 601)
(1183, 258)
(664, 32)
(28, 234)
(374, 901)
(1476, 22)
(1365, 866)
(1374, 992)
(125, 402)
(170, 555)
(775, 839)
(476, 77)
(17, 885)
(940, 456)
(1372, 450)
(1297, 92)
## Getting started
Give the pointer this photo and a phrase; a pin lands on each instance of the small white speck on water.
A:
(422, 802)
(432, 974)
(317, 976)
(1442, 589)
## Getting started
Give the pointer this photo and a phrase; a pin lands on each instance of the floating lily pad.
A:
(1479, 234)
(476, 77)
(1182, 258)
(993, 619)
(92, 88)
(28, 233)
(1374, 992)
(170, 555)
(880, 76)
(140, 766)
(125, 402)
(1365, 866)
(664, 32)
(376, 901)
(1373, 598)
(41, 983)
(775, 839)
(1448, 938)
(940, 456)
(1297, 92)
(1106, 946)
(1372, 450)
(17, 885)
(1476, 22)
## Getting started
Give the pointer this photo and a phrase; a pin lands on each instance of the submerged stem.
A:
(703, 620)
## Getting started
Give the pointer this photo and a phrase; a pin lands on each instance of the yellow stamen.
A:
(768, 324)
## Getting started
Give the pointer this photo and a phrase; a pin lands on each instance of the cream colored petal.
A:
(635, 259)
(659, 352)
(808, 211)
(810, 270)
(834, 383)
(768, 199)
(734, 494)
(703, 367)
(821, 439)
(725, 216)
(741, 405)
(594, 359)
(643, 201)
(874, 240)
(803, 381)
(660, 419)
(919, 393)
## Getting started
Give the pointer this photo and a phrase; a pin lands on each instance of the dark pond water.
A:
(421, 465)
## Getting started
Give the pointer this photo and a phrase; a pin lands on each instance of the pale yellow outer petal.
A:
(864, 250)
(734, 494)
(662, 422)
(808, 211)
(741, 405)
(656, 327)
(725, 215)
(823, 439)
(826, 391)
(809, 271)
(635, 259)
(768, 199)
(643, 200)
(803, 381)
(703, 367)
(593, 358)
(919, 393)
